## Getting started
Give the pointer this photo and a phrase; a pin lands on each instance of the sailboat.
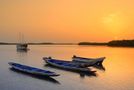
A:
(21, 45)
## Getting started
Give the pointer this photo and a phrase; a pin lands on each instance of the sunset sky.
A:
(66, 20)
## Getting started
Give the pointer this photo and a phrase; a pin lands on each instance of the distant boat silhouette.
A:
(21, 45)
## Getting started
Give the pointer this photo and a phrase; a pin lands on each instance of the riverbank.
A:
(113, 43)
(4, 43)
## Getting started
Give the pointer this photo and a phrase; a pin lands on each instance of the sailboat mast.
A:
(21, 38)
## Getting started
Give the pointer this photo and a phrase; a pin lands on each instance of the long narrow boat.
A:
(68, 65)
(89, 61)
(32, 70)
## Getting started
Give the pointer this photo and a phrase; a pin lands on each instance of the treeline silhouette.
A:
(42, 43)
(123, 43)
(116, 43)
(91, 43)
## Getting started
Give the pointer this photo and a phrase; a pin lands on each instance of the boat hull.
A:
(22, 46)
(32, 70)
(66, 65)
(89, 61)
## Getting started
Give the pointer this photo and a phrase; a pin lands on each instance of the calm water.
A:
(118, 73)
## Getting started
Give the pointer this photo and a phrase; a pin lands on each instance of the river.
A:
(117, 72)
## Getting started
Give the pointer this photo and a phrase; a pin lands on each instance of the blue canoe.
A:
(88, 61)
(66, 65)
(32, 70)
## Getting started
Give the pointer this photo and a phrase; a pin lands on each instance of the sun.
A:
(113, 22)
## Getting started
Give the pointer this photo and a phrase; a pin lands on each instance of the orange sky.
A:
(66, 20)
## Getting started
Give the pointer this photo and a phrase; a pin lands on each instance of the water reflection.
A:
(22, 55)
(82, 74)
(100, 67)
(22, 51)
(117, 75)
(46, 78)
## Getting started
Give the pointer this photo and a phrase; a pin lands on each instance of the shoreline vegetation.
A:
(46, 43)
(113, 43)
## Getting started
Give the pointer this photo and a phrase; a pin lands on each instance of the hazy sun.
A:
(113, 22)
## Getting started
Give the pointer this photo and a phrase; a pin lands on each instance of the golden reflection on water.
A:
(119, 63)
